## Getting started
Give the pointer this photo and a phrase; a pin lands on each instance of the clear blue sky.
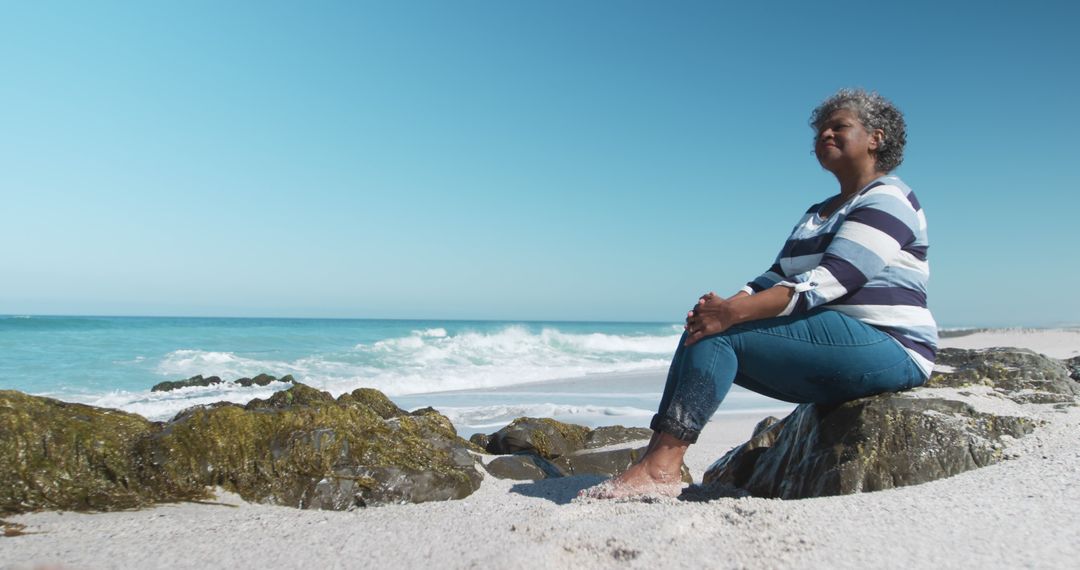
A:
(512, 160)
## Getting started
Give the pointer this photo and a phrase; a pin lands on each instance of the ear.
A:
(877, 139)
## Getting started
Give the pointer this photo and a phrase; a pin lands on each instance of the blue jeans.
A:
(822, 357)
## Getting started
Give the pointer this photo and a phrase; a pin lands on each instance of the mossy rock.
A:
(296, 396)
(1011, 371)
(299, 448)
(375, 400)
(613, 435)
(304, 449)
(59, 455)
(545, 437)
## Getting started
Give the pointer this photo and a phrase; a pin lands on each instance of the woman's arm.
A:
(871, 235)
(714, 314)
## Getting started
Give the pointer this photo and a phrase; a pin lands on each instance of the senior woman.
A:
(840, 315)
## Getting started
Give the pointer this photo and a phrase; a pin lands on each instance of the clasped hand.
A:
(711, 315)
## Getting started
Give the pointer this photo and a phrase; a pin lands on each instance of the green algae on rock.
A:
(59, 455)
(545, 437)
(304, 449)
(299, 448)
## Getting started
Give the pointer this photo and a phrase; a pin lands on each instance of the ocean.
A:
(480, 374)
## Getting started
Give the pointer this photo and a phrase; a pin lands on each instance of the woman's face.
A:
(843, 142)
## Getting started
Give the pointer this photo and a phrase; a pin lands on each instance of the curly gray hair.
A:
(875, 112)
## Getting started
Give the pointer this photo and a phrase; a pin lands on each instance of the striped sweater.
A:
(868, 261)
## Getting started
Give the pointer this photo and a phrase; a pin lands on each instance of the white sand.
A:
(1021, 512)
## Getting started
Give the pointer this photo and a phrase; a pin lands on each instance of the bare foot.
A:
(640, 480)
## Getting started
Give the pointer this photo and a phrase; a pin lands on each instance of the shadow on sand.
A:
(560, 490)
(563, 490)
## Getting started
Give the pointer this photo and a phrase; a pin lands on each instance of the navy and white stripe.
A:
(866, 260)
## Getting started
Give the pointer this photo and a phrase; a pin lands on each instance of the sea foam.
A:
(432, 360)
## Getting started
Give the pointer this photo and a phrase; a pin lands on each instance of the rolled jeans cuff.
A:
(672, 427)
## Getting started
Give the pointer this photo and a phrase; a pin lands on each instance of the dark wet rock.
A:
(523, 466)
(893, 440)
(264, 380)
(260, 380)
(480, 440)
(300, 448)
(197, 380)
(599, 462)
(736, 468)
(59, 455)
(1073, 365)
(606, 463)
(544, 448)
(615, 435)
(582, 462)
(869, 444)
(545, 437)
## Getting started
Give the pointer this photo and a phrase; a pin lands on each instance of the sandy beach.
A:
(1021, 512)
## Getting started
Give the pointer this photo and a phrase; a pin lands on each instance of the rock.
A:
(530, 466)
(607, 463)
(735, 468)
(59, 455)
(869, 444)
(545, 437)
(260, 380)
(612, 435)
(375, 400)
(300, 448)
(298, 395)
(1015, 372)
(193, 381)
(523, 466)
(264, 380)
(893, 440)
(1073, 365)
(480, 440)
(544, 448)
